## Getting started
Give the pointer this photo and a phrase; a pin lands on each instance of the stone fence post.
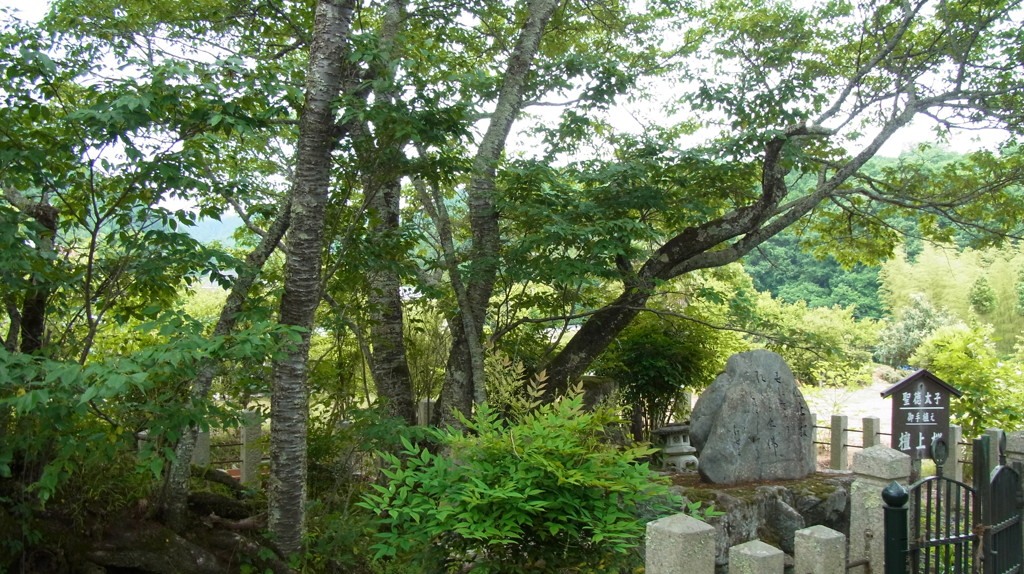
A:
(955, 464)
(251, 452)
(872, 427)
(840, 438)
(201, 451)
(423, 412)
(874, 468)
(680, 544)
(819, 550)
(755, 557)
(993, 447)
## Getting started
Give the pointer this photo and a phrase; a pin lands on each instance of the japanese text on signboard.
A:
(920, 413)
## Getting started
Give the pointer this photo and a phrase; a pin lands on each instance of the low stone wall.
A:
(764, 524)
(773, 513)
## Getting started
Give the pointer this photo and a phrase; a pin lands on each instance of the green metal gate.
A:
(949, 527)
(1002, 542)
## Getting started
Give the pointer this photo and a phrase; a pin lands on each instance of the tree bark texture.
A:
(303, 262)
(468, 379)
(387, 322)
(382, 185)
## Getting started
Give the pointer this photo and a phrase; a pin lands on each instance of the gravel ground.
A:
(855, 404)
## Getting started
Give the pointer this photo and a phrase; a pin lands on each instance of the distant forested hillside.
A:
(209, 230)
(787, 269)
(975, 287)
(781, 268)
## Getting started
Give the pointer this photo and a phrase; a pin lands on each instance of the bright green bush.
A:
(545, 494)
(965, 357)
(982, 296)
(824, 346)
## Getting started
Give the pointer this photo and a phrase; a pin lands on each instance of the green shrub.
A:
(508, 385)
(657, 359)
(343, 464)
(965, 357)
(982, 296)
(913, 324)
(547, 493)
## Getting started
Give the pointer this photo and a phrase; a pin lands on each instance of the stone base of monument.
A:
(772, 513)
(677, 453)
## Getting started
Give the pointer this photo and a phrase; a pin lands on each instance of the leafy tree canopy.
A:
(382, 137)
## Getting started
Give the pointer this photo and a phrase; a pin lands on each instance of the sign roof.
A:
(925, 375)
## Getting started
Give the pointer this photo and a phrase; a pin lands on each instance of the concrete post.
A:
(423, 412)
(840, 436)
(251, 453)
(955, 463)
(680, 544)
(201, 451)
(819, 550)
(755, 557)
(994, 435)
(874, 468)
(872, 429)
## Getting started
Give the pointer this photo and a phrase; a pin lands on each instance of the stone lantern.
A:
(677, 452)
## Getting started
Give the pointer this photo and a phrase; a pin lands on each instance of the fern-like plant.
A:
(546, 493)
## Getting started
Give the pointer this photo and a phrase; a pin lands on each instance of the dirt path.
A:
(854, 403)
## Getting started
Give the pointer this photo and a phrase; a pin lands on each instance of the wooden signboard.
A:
(920, 413)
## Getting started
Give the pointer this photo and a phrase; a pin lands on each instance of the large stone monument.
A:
(752, 423)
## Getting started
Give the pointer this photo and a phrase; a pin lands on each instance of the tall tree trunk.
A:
(592, 339)
(303, 262)
(382, 185)
(457, 390)
(387, 323)
(174, 500)
(467, 380)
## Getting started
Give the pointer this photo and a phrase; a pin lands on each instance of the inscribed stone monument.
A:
(752, 423)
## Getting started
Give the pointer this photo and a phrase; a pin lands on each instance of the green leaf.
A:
(89, 394)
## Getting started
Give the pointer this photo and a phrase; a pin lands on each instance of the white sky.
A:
(28, 9)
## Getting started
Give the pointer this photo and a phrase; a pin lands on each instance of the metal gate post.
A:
(983, 501)
(981, 474)
(895, 519)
